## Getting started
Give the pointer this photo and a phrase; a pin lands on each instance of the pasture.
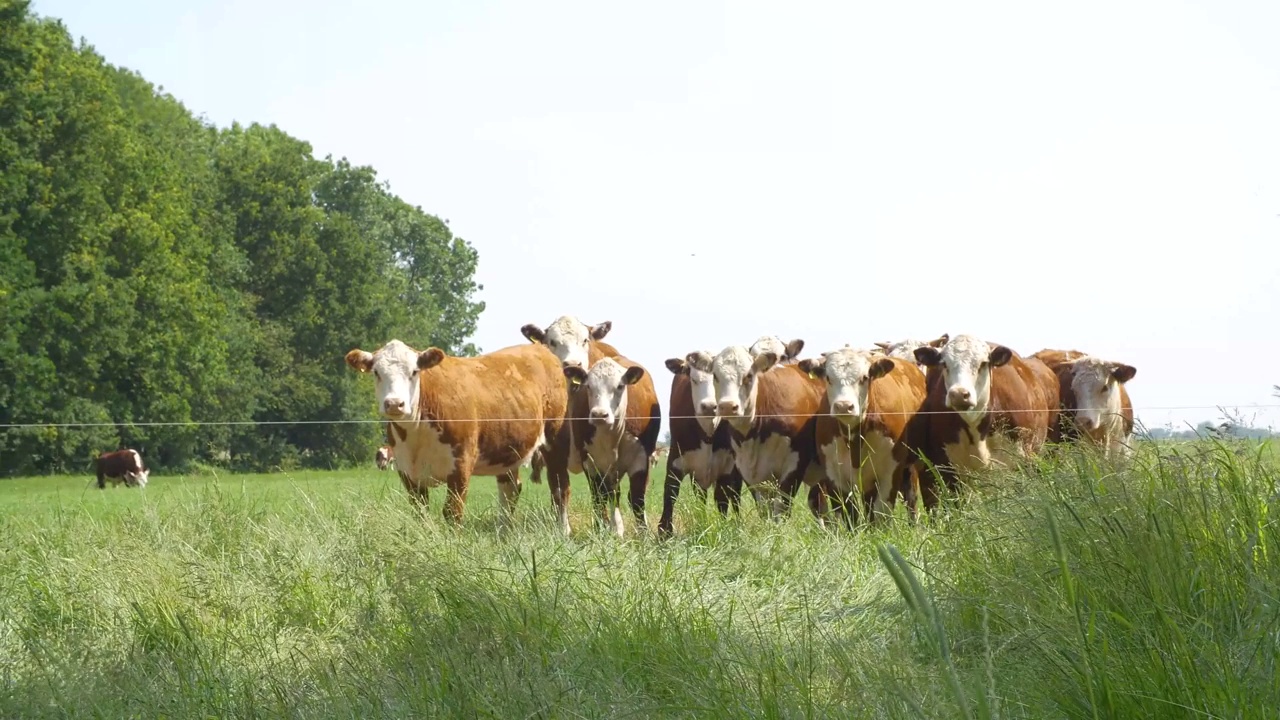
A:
(1073, 589)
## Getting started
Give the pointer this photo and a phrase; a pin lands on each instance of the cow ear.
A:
(599, 331)
(999, 356)
(632, 375)
(940, 340)
(883, 346)
(533, 333)
(360, 360)
(928, 356)
(1123, 373)
(430, 358)
(699, 359)
(880, 368)
(814, 367)
(793, 349)
(677, 366)
(575, 374)
(764, 361)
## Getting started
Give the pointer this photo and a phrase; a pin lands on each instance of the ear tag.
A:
(575, 380)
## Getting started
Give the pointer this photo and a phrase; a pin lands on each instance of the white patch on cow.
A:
(735, 373)
(764, 463)
(878, 467)
(964, 455)
(139, 477)
(702, 388)
(847, 377)
(1098, 411)
(966, 372)
(568, 339)
(424, 457)
(705, 464)
(396, 384)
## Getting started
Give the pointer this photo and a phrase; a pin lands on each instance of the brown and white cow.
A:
(788, 352)
(453, 417)
(871, 403)
(616, 421)
(701, 448)
(983, 401)
(906, 349)
(770, 410)
(121, 466)
(1094, 400)
(383, 457)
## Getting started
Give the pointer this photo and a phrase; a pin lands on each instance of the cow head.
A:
(1096, 384)
(786, 352)
(383, 457)
(735, 373)
(606, 384)
(703, 390)
(568, 338)
(138, 477)
(395, 369)
(966, 363)
(848, 373)
(906, 349)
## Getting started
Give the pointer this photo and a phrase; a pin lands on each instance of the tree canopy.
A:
(157, 269)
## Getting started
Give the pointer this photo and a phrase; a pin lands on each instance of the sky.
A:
(1099, 176)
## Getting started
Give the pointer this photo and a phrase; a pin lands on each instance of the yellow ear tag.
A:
(575, 380)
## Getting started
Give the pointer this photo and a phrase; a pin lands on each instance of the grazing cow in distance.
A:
(982, 401)
(906, 349)
(1095, 403)
(770, 412)
(453, 417)
(121, 466)
(871, 402)
(383, 457)
(787, 353)
(701, 448)
(616, 421)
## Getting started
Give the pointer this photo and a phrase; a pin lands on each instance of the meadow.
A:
(1075, 588)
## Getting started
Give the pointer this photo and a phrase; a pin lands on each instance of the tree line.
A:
(155, 268)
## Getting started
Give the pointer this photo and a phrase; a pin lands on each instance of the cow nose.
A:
(842, 406)
(393, 405)
(960, 398)
(707, 407)
(1086, 423)
(729, 407)
(599, 415)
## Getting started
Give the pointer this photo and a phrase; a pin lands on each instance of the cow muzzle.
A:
(959, 398)
(843, 407)
(707, 408)
(729, 408)
(393, 407)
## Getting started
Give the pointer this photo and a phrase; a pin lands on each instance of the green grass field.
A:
(1072, 589)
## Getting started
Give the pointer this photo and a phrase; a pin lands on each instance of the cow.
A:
(867, 413)
(1093, 398)
(701, 448)
(453, 417)
(383, 457)
(906, 349)
(982, 400)
(616, 421)
(770, 410)
(788, 352)
(121, 466)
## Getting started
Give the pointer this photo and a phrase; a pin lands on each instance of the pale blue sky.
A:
(1101, 176)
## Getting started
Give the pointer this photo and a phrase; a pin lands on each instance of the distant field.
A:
(1151, 593)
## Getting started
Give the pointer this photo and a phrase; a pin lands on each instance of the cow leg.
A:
(729, 492)
(459, 481)
(909, 486)
(818, 503)
(102, 481)
(417, 493)
(638, 486)
(509, 488)
(670, 493)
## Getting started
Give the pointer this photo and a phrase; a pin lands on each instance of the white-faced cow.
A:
(787, 352)
(121, 466)
(771, 415)
(1094, 400)
(701, 448)
(383, 457)
(906, 349)
(616, 420)
(871, 403)
(982, 400)
(454, 417)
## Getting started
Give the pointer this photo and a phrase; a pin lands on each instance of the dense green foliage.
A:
(154, 268)
(1074, 589)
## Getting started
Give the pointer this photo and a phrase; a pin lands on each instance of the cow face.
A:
(395, 369)
(786, 352)
(1096, 383)
(966, 363)
(138, 477)
(848, 373)
(735, 373)
(606, 385)
(703, 390)
(383, 457)
(568, 338)
(906, 349)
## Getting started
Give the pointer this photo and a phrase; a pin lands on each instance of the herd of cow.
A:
(857, 427)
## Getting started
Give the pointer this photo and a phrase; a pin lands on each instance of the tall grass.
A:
(1075, 588)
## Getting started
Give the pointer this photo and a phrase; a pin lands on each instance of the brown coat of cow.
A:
(121, 466)
(479, 416)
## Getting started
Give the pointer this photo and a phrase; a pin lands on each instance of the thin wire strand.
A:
(379, 421)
